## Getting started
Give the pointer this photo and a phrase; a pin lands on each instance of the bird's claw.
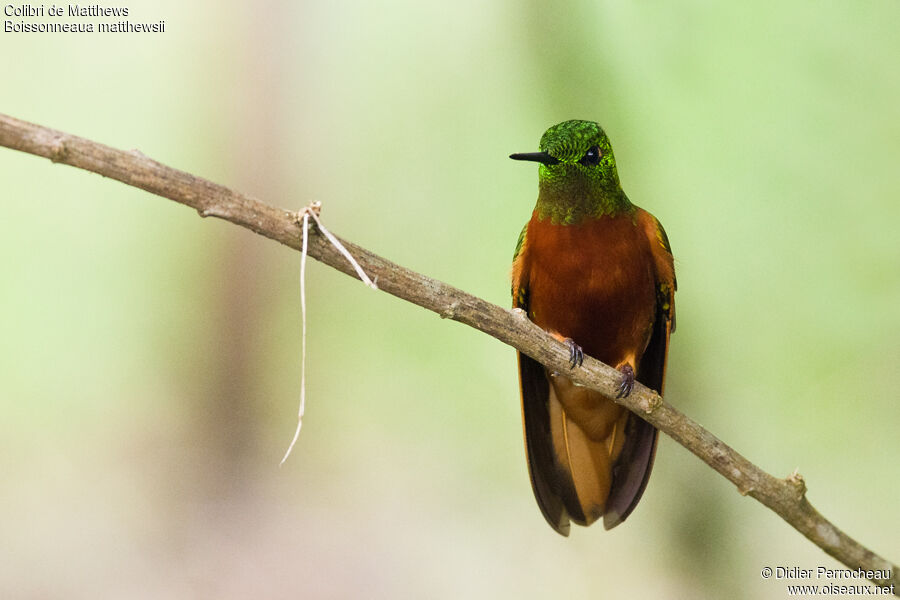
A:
(627, 383)
(576, 354)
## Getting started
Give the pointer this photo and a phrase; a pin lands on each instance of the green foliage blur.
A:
(149, 363)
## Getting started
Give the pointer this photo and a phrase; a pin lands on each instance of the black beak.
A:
(541, 157)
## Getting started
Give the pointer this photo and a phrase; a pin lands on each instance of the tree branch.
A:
(786, 497)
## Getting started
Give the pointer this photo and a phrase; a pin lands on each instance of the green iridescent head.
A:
(577, 175)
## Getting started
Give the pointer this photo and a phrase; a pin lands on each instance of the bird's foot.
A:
(576, 354)
(627, 383)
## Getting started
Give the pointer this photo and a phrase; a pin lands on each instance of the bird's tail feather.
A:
(584, 464)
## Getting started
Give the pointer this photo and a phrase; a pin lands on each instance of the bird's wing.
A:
(535, 391)
(633, 468)
(653, 363)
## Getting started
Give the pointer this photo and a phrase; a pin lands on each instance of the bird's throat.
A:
(571, 202)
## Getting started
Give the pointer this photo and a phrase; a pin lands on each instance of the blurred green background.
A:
(149, 364)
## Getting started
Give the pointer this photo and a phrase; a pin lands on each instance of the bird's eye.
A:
(591, 157)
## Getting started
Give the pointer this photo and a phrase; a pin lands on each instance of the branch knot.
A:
(58, 150)
(653, 403)
(313, 208)
(796, 481)
(450, 311)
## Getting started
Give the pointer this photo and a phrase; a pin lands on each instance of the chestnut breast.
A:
(593, 282)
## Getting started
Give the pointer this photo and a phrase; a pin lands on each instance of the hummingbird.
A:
(597, 273)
